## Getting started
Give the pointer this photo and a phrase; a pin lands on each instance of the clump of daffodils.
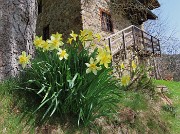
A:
(56, 44)
(100, 59)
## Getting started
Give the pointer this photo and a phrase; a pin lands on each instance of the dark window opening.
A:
(106, 22)
(46, 33)
(39, 6)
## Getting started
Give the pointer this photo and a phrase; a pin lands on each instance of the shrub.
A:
(71, 78)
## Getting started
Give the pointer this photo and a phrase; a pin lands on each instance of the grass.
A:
(16, 115)
(10, 116)
(13, 120)
(174, 94)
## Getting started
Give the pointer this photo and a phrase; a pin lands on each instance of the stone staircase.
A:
(134, 38)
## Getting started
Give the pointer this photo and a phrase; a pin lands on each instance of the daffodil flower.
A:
(107, 48)
(57, 36)
(103, 57)
(24, 59)
(92, 67)
(122, 66)
(134, 66)
(73, 35)
(62, 54)
(45, 46)
(55, 41)
(125, 80)
(38, 41)
(86, 35)
(84, 32)
(98, 36)
(70, 40)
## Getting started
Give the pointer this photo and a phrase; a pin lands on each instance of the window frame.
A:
(106, 21)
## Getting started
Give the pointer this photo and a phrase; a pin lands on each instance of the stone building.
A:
(101, 16)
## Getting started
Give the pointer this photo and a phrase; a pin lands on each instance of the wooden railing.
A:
(133, 37)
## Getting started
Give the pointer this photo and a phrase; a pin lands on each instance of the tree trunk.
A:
(17, 30)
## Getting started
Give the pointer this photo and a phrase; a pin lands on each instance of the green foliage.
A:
(65, 88)
(175, 96)
(10, 115)
(169, 108)
(135, 100)
(142, 82)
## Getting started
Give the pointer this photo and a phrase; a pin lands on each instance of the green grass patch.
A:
(11, 118)
(174, 94)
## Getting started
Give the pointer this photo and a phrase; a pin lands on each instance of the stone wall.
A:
(91, 16)
(65, 15)
(61, 15)
(17, 29)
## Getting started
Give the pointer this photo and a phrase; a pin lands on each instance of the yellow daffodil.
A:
(122, 66)
(45, 46)
(103, 57)
(24, 59)
(93, 46)
(125, 80)
(70, 40)
(92, 67)
(89, 35)
(84, 32)
(134, 66)
(107, 48)
(55, 41)
(62, 54)
(86, 35)
(105, 60)
(57, 36)
(73, 35)
(38, 41)
(98, 36)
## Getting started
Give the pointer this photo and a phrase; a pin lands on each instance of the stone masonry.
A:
(66, 15)
(60, 16)
(91, 17)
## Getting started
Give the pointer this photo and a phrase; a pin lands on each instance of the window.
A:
(106, 22)
(46, 33)
(39, 6)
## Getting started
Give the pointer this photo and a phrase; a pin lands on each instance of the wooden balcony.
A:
(134, 38)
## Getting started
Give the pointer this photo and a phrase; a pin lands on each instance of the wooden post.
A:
(109, 43)
(143, 38)
(152, 44)
(155, 69)
(133, 33)
(124, 44)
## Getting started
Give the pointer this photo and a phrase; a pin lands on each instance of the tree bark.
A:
(17, 30)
